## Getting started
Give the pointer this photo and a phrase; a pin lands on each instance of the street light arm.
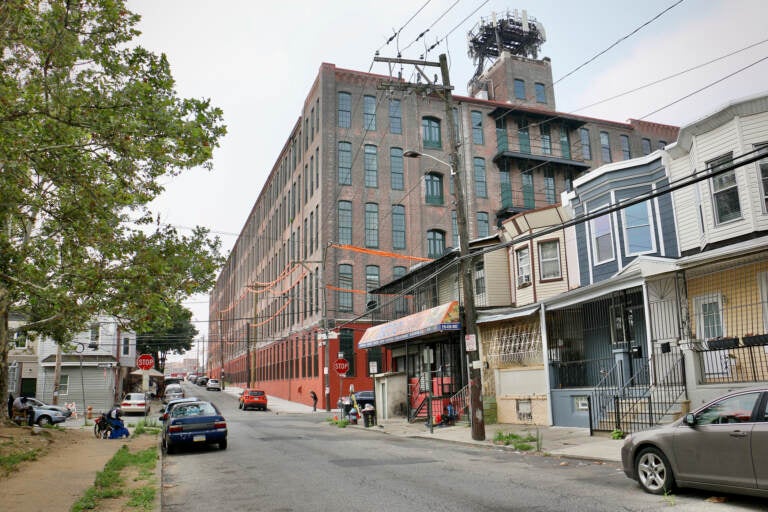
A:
(417, 154)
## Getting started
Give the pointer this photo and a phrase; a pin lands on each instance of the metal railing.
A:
(739, 363)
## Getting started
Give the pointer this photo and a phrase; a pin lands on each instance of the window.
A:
(505, 184)
(398, 226)
(95, 331)
(430, 128)
(63, 385)
(345, 222)
(477, 127)
(401, 303)
(523, 136)
(549, 186)
(434, 188)
(646, 146)
(528, 195)
(709, 316)
(662, 144)
(602, 239)
(638, 237)
(369, 113)
(347, 348)
(395, 117)
(565, 143)
(345, 163)
(396, 168)
(483, 226)
(455, 228)
(372, 279)
(371, 166)
(345, 110)
(344, 294)
(541, 93)
(519, 89)
(586, 148)
(479, 277)
(546, 139)
(372, 225)
(126, 346)
(762, 165)
(549, 259)
(435, 243)
(502, 144)
(626, 153)
(605, 147)
(481, 187)
(523, 257)
(734, 409)
(19, 339)
(725, 192)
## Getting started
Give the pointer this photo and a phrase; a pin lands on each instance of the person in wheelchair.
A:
(449, 415)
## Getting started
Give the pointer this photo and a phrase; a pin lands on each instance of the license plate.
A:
(198, 439)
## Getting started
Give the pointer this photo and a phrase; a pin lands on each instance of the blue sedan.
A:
(191, 423)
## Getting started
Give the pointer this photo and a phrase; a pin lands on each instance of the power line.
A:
(619, 41)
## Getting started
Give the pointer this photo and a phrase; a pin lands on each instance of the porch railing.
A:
(739, 363)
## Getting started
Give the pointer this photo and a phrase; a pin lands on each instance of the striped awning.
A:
(429, 321)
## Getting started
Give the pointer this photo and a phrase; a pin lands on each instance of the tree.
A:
(159, 340)
(89, 124)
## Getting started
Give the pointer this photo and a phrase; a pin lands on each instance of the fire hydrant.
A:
(89, 412)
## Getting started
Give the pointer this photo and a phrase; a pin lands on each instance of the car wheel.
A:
(654, 472)
(223, 445)
(170, 449)
(44, 421)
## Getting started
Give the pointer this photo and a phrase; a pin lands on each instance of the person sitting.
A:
(118, 427)
(22, 411)
(449, 415)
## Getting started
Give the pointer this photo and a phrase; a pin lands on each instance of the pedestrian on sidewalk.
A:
(313, 396)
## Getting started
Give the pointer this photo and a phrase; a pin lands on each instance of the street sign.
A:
(341, 366)
(145, 362)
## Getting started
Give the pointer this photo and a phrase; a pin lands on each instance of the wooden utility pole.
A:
(469, 312)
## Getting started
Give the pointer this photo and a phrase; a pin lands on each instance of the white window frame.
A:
(762, 164)
(763, 281)
(542, 260)
(698, 303)
(63, 384)
(714, 192)
(625, 226)
(593, 237)
(518, 251)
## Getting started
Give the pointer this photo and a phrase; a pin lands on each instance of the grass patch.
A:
(147, 426)
(341, 423)
(517, 441)
(142, 498)
(9, 462)
(110, 483)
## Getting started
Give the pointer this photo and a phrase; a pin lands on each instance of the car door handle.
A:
(738, 433)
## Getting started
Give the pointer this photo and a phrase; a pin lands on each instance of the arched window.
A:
(434, 188)
(435, 243)
(430, 128)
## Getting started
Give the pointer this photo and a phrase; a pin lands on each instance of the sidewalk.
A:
(556, 441)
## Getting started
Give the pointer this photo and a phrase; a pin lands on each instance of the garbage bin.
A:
(369, 416)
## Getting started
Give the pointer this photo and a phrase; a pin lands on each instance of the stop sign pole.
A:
(145, 362)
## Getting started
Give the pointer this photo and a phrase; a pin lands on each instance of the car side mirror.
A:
(690, 419)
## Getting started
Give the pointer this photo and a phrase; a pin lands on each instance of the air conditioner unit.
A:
(524, 280)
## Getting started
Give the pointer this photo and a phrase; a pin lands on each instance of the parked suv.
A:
(213, 385)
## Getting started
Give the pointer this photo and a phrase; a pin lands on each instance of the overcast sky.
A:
(256, 60)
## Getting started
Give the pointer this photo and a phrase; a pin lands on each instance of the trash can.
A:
(369, 416)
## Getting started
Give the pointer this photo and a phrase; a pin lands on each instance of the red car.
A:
(253, 398)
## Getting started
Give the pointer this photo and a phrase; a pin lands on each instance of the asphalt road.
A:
(299, 462)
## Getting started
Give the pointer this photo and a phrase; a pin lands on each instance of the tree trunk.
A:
(57, 375)
(4, 350)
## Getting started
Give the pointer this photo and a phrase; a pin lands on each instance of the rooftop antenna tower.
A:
(515, 33)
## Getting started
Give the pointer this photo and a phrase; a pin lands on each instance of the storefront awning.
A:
(429, 321)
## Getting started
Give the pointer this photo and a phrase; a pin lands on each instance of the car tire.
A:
(170, 449)
(654, 472)
(44, 421)
(223, 445)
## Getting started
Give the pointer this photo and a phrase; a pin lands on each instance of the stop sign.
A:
(341, 366)
(145, 361)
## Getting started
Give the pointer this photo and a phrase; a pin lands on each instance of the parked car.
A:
(719, 447)
(173, 403)
(192, 378)
(213, 385)
(135, 403)
(191, 423)
(172, 380)
(253, 399)
(45, 417)
(171, 392)
(202, 380)
(34, 402)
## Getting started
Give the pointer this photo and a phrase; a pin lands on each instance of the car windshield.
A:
(193, 409)
(134, 397)
(173, 389)
(213, 381)
(256, 393)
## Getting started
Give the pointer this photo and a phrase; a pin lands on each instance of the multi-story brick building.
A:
(343, 211)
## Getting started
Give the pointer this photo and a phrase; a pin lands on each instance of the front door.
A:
(717, 450)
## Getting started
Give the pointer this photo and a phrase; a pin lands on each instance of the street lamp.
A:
(416, 154)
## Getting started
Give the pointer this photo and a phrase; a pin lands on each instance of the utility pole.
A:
(248, 353)
(469, 312)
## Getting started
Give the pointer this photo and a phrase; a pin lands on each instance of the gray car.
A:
(722, 446)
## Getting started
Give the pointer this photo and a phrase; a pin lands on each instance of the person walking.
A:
(10, 405)
(313, 396)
